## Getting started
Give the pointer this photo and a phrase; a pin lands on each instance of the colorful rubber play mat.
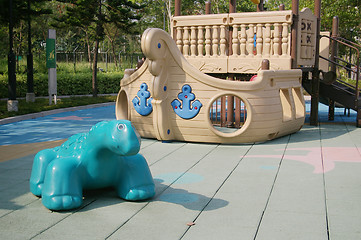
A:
(54, 127)
(63, 125)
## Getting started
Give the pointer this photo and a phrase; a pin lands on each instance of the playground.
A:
(235, 149)
(301, 186)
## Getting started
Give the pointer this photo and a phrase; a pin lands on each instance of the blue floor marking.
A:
(54, 127)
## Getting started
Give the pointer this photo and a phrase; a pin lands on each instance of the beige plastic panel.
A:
(204, 41)
(166, 71)
(324, 51)
(306, 44)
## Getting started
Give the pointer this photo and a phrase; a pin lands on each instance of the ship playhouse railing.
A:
(206, 42)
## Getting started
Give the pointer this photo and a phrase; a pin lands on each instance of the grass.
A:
(42, 104)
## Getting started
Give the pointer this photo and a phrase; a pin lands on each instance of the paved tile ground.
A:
(303, 186)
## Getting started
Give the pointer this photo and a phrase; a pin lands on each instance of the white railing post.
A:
(200, 41)
(276, 39)
(208, 41)
(243, 40)
(250, 40)
(259, 40)
(186, 41)
(284, 39)
(215, 41)
(267, 41)
(223, 41)
(179, 39)
(235, 41)
(193, 41)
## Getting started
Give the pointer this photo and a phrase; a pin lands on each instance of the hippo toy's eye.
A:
(121, 127)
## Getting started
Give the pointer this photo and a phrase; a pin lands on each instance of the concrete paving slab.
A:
(346, 227)
(343, 181)
(155, 152)
(28, 221)
(95, 221)
(291, 225)
(33, 219)
(167, 214)
(187, 199)
(297, 197)
(247, 190)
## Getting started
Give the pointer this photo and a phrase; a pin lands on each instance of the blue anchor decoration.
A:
(187, 111)
(143, 106)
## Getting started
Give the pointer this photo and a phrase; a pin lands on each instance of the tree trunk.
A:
(114, 55)
(89, 51)
(95, 69)
(112, 41)
(95, 59)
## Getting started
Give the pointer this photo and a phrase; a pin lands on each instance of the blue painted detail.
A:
(187, 111)
(106, 156)
(165, 88)
(142, 105)
(168, 131)
(159, 45)
(179, 178)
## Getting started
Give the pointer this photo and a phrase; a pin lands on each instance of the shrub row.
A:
(67, 84)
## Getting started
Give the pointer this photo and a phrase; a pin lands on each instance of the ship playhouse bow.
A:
(168, 98)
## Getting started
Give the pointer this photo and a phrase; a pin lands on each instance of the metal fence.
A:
(105, 59)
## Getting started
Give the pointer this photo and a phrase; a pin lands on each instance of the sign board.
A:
(51, 64)
(50, 53)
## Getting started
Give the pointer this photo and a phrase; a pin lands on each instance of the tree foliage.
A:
(348, 11)
(94, 17)
(20, 10)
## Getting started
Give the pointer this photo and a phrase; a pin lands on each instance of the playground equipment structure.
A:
(106, 156)
(225, 78)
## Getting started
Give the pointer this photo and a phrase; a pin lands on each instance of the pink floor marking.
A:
(69, 118)
(313, 156)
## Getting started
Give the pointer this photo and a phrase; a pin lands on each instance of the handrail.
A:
(350, 42)
(355, 47)
(348, 63)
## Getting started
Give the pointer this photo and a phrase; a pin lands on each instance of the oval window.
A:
(228, 114)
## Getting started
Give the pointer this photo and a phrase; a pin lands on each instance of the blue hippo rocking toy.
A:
(106, 156)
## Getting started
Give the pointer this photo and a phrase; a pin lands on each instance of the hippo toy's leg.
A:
(62, 184)
(41, 162)
(135, 179)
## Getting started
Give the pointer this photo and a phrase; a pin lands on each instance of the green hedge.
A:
(67, 84)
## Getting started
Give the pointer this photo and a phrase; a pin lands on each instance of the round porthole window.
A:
(228, 115)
